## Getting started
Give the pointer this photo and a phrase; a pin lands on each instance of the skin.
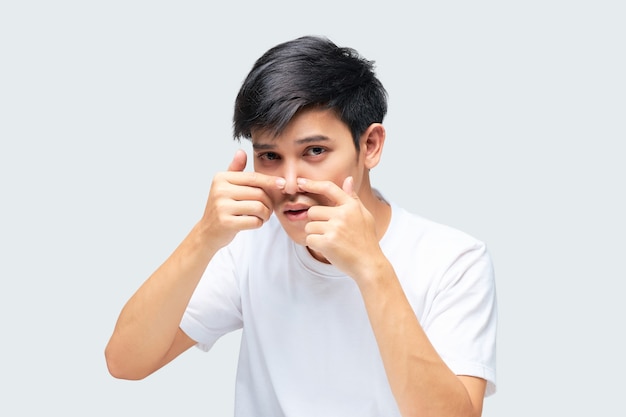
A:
(317, 184)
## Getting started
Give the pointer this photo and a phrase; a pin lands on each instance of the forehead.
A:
(306, 126)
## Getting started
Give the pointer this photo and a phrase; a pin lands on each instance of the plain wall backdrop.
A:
(506, 120)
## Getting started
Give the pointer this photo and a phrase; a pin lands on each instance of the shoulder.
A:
(411, 229)
(437, 254)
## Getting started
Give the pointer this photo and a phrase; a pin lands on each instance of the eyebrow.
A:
(308, 139)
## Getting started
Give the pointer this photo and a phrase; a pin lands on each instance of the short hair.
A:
(309, 72)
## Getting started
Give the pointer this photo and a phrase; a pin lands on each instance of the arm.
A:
(421, 382)
(147, 334)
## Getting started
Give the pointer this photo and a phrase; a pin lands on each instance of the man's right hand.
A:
(237, 201)
(147, 334)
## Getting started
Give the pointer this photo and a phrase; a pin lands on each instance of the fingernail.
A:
(280, 183)
(301, 181)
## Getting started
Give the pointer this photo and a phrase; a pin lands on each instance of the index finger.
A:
(254, 179)
(328, 189)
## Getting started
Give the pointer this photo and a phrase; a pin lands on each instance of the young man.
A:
(350, 306)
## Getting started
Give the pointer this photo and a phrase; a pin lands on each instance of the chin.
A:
(299, 238)
(295, 233)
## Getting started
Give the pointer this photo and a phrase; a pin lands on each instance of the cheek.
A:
(339, 178)
(330, 172)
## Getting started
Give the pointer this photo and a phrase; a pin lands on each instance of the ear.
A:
(372, 142)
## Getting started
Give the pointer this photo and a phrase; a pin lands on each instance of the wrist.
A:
(375, 273)
(203, 239)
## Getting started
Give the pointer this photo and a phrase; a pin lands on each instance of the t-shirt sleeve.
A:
(215, 306)
(461, 322)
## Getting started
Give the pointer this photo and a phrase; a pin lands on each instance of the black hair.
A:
(309, 72)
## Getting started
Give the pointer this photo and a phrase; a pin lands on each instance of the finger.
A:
(245, 222)
(244, 193)
(255, 179)
(257, 209)
(319, 227)
(239, 161)
(321, 213)
(317, 242)
(326, 188)
(348, 187)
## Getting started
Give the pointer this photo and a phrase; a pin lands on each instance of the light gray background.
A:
(505, 120)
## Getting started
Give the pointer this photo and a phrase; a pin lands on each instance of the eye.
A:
(315, 151)
(268, 156)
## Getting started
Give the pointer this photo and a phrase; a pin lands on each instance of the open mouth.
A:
(296, 214)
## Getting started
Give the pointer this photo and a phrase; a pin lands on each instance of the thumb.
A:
(239, 161)
(348, 187)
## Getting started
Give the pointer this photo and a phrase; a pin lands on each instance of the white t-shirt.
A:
(307, 346)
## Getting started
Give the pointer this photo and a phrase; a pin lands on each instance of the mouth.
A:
(296, 212)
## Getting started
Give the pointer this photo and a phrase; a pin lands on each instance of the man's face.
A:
(316, 145)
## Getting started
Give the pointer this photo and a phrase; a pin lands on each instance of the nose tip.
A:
(291, 185)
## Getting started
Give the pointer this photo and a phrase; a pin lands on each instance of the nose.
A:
(290, 175)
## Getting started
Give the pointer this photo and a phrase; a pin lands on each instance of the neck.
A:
(380, 209)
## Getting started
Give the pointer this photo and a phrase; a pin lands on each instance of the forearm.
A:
(421, 382)
(150, 319)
